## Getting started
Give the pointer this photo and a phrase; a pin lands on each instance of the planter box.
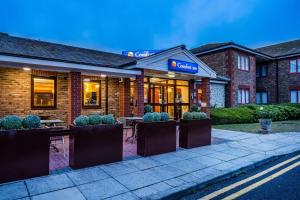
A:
(156, 137)
(95, 145)
(194, 133)
(24, 153)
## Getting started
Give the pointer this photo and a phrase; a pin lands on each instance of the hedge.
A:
(249, 113)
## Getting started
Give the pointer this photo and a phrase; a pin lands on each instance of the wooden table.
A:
(51, 122)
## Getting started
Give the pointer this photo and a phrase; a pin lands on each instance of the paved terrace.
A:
(160, 175)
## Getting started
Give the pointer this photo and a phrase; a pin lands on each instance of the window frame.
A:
(261, 92)
(297, 65)
(241, 63)
(246, 89)
(100, 95)
(33, 107)
(297, 89)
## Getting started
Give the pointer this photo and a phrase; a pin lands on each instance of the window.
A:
(295, 66)
(261, 97)
(91, 94)
(43, 92)
(243, 63)
(261, 70)
(295, 96)
(243, 96)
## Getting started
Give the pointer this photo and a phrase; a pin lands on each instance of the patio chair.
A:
(58, 140)
(126, 127)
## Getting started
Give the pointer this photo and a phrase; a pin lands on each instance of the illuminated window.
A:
(91, 94)
(43, 92)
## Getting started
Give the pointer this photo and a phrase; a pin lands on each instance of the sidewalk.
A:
(158, 176)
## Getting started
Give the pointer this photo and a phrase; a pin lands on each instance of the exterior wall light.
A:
(26, 68)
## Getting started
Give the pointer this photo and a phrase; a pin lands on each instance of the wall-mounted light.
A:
(171, 74)
(86, 80)
(103, 75)
(26, 68)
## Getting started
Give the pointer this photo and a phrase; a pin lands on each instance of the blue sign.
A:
(140, 54)
(182, 66)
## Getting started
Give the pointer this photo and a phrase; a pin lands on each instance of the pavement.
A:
(277, 180)
(166, 175)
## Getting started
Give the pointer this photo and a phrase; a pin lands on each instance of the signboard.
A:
(140, 54)
(182, 66)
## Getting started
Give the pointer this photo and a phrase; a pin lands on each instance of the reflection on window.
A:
(179, 82)
(43, 92)
(170, 94)
(146, 90)
(182, 94)
(131, 93)
(91, 93)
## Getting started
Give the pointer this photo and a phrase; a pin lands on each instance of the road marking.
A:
(261, 182)
(234, 185)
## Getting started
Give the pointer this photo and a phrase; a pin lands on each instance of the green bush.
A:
(148, 117)
(95, 119)
(164, 116)
(194, 108)
(81, 120)
(148, 108)
(199, 115)
(108, 119)
(187, 116)
(31, 121)
(12, 122)
(232, 115)
(156, 117)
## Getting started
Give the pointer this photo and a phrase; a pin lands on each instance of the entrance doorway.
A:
(167, 95)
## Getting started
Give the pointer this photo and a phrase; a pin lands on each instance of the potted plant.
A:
(195, 130)
(156, 134)
(95, 140)
(265, 120)
(24, 148)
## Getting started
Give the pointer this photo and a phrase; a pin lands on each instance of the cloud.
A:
(196, 16)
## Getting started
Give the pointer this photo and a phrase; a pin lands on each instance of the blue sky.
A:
(116, 25)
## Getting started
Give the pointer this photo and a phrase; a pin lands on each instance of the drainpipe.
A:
(106, 95)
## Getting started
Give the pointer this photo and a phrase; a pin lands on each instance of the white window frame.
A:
(243, 96)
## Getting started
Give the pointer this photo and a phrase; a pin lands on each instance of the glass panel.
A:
(44, 91)
(299, 65)
(171, 111)
(298, 96)
(157, 109)
(293, 96)
(185, 109)
(292, 66)
(246, 96)
(131, 93)
(172, 82)
(246, 63)
(91, 93)
(182, 94)
(264, 70)
(157, 95)
(258, 98)
(242, 62)
(171, 94)
(243, 96)
(239, 96)
(146, 89)
(158, 80)
(264, 98)
(239, 62)
(179, 82)
(146, 79)
(257, 71)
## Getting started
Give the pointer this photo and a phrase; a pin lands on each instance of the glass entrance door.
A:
(158, 96)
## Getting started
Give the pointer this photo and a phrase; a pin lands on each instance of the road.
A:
(275, 181)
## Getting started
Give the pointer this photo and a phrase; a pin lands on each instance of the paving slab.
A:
(13, 191)
(165, 172)
(125, 196)
(65, 194)
(102, 189)
(82, 176)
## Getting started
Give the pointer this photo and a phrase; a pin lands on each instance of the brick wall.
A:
(15, 98)
(269, 83)
(124, 100)
(286, 80)
(225, 63)
(139, 95)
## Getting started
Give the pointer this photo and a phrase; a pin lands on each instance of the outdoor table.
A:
(134, 122)
(52, 122)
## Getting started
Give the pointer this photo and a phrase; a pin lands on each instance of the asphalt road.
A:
(277, 180)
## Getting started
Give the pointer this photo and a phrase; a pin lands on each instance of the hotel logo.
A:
(174, 64)
(130, 54)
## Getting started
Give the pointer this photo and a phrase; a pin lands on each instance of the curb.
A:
(189, 188)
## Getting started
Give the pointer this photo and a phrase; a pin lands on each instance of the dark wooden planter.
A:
(24, 154)
(156, 137)
(194, 133)
(94, 145)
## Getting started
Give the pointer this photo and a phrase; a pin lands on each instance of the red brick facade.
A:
(139, 95)
(75, 98)
(124, 105)
(225, 63)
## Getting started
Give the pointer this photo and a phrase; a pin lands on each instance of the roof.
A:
(204, 49)
(282, 49)
(29, 48)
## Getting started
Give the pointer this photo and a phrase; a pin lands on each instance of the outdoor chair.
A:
(126, 127)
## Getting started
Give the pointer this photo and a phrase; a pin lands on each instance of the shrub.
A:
(31, 121)
(187, 116)
(148, 117)
(12, 122)
(148, 108)
(199, 115)
(1, 120)
(232, 115)
(108, 119)
(156, 117)
(164, 116)
(263, 113)
(194, 108)
(81, 120)
(95, 119)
